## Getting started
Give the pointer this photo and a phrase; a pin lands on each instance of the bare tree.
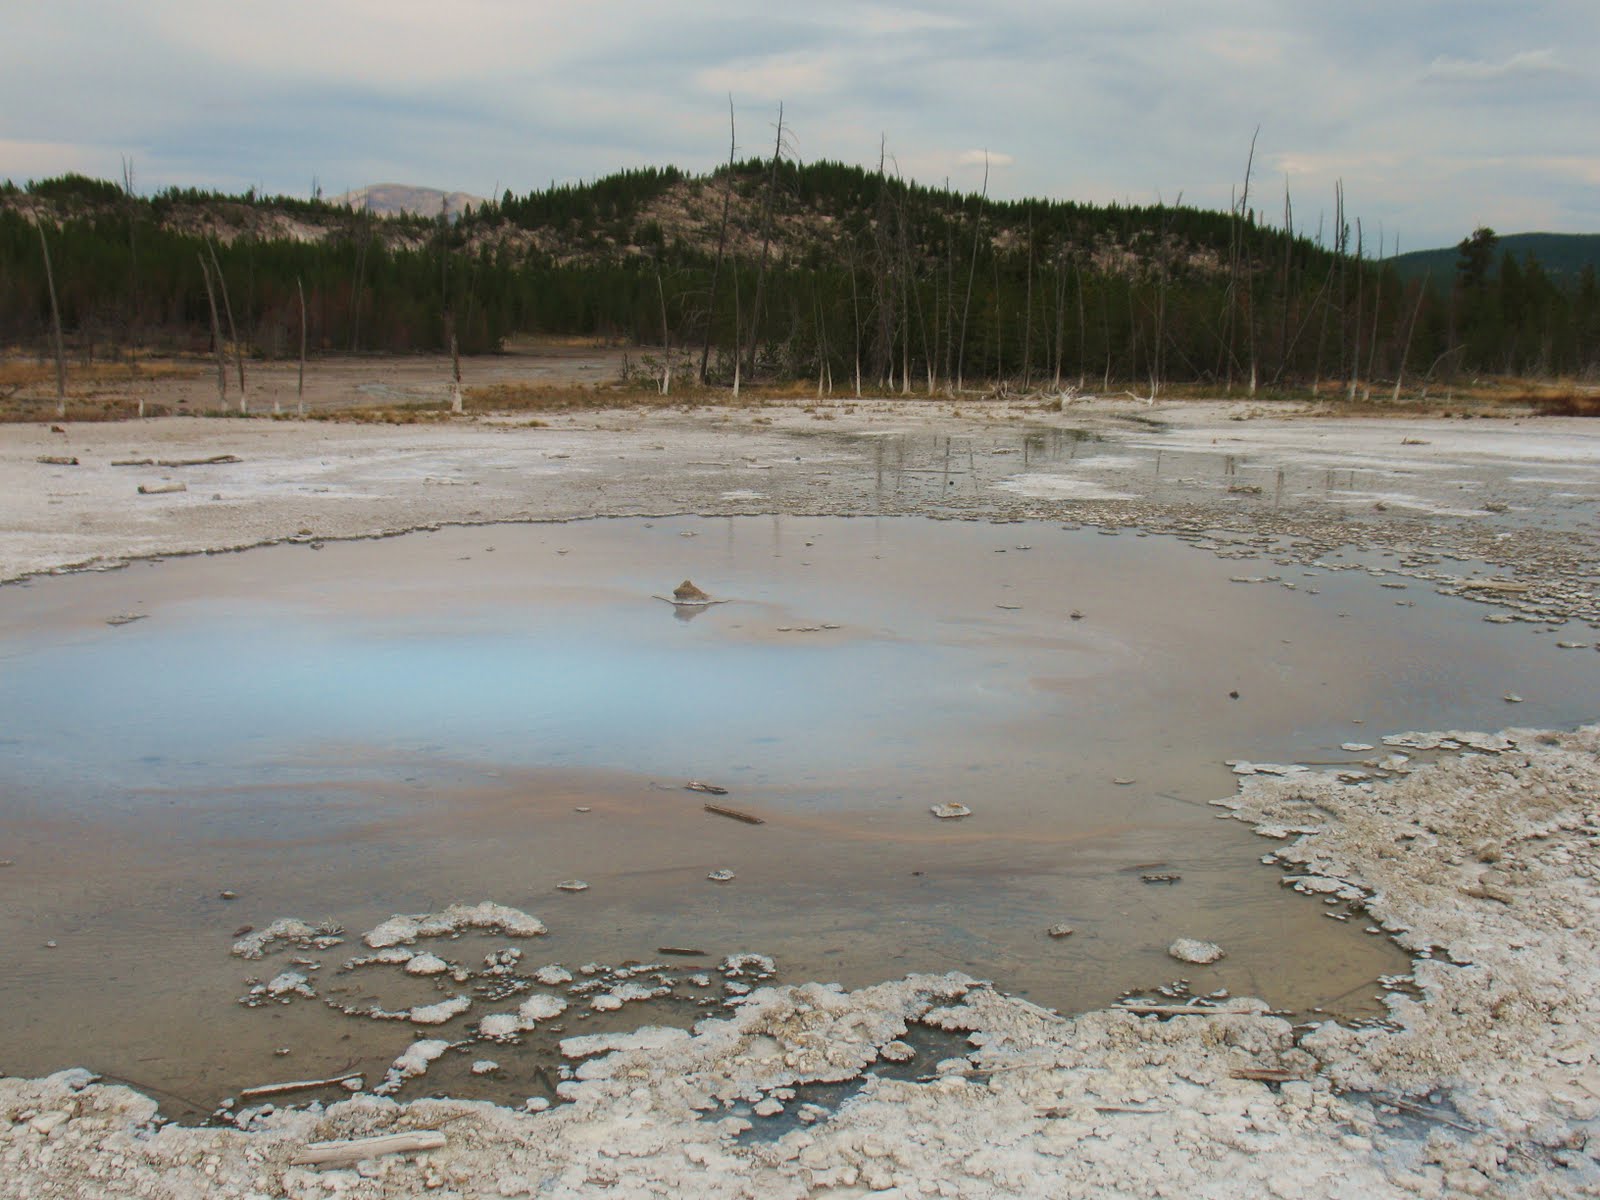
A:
(216, 331)
(1355, 358)
(1405, 351)
(766, 243)
(722, 245)
(233, 333)
(55, 320)
(300, 386)
(666, 333)
(972, 272)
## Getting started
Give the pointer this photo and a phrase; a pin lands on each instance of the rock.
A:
(687, 593)
(1059, 931)
(721, 876)
(1191, 950)
(949, 812)
(572, 885)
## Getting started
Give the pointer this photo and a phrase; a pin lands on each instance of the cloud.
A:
(775, 78)
(1472, 70)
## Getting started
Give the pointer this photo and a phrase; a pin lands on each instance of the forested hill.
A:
(1562, 256)
(779, 271)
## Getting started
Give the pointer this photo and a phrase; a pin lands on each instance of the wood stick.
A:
(298, 1085)
(747, 818)
(327, 1154)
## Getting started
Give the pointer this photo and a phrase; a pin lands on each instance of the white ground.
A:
(1485, 860)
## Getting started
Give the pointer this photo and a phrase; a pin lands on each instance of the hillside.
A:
(1563, 256)
(776, 271)
(400, 199)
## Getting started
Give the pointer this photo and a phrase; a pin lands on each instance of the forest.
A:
(774, 271)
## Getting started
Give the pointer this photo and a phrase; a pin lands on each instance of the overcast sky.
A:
(1439, 115)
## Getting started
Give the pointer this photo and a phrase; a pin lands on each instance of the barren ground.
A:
(1479, 854)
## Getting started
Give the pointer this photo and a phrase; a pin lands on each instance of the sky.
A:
(1438, 115)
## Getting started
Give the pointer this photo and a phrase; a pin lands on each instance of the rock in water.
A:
(687, 593)
(1190, 950)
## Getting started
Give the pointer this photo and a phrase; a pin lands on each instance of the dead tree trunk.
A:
(300, 386)
(972, 272)
(55, 322)
(233, 332)
(1027, 321)
(722, 246)
(666, 335)
(766, 243)
(1355, 357)
(216, 332)
(1405, 351)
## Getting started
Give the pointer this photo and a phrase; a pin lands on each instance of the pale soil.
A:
(1484, 856)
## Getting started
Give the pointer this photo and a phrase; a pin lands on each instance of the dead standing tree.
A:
(972, 272)
(55, 321)
(216, 332)
(722, 247)
(766, 246)
(233, 333)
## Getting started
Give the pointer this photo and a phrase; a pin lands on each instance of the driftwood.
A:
(1056, 1112)
(198, 462)
(161, 489)
(681, 951)
(298, 1085)
(56, 460)
(710, 789)
(1265, 1074)
(1185, 1010)
(329, 1154)
(133, 462)
(747, 818)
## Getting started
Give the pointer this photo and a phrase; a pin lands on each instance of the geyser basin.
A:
(395, 725)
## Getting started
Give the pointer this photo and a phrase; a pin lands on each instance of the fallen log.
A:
(214, 460)
(1265, 1074)
(297, 1085)
(1187, 1010)
(747, 818)
(56, 460)
(329, 1154)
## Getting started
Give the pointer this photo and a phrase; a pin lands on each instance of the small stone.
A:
(227, 895)
(1191, 950)
(950, 811)
(1060, 931)
(572, 885)
(721, 876)
(1513, 698)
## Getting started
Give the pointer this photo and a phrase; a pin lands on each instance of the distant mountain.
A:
(1562, 255)
(399, 199)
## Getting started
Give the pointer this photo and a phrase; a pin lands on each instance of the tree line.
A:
(771, 269)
